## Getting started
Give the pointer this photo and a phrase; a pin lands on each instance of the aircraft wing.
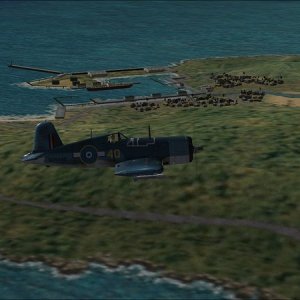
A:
(139, 167)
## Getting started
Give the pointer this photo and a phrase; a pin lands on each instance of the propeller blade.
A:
(198, 149)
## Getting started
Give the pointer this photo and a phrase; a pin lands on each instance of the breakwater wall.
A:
(34, 69)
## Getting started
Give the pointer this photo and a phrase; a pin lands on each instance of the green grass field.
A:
(198, 71)
(249, 169)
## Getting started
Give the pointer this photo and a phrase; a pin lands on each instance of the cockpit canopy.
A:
(116, 137)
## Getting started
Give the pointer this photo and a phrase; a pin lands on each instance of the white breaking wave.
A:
(136, 270)
(16, 118)
(28, 264)
(55, 273)
(29, 86)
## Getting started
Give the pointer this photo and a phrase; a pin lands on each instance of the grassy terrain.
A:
(198, 71)
(249, 169)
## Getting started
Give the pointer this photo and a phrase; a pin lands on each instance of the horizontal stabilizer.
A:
(29, 157)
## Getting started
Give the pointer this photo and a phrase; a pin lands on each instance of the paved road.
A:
(293, 233)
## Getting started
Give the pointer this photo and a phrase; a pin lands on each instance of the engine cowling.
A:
(180, 150)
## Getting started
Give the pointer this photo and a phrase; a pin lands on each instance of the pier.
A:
(34, 69)
(125, 70)
(130, 99)
(146, 70)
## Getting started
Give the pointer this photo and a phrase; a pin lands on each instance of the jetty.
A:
(156, 97)
(34, 69)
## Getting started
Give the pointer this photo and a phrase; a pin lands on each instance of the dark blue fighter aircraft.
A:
(135, 157)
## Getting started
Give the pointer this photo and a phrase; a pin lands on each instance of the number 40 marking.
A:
(116, 153)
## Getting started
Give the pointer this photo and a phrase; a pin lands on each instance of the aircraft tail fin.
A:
(46, 137)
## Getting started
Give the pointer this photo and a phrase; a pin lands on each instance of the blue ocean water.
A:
(37, 281)
(92, 35)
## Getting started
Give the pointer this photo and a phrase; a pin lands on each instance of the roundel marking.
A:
(88, 154)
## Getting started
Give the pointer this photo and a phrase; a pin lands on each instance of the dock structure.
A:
(157, 97)
(86, 79)
(124, 70)
(34, 69)
(60, 112)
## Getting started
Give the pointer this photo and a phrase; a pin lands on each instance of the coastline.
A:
(72, 267)
(27, 85)
(171, 71)
(231, 56)
(280, 99)
(26, 118)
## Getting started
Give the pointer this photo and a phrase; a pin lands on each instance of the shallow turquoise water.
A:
(76, 36)
(37, 281)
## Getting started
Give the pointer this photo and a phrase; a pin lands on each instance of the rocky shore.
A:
(74, 267)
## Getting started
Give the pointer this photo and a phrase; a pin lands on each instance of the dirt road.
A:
(293, 233)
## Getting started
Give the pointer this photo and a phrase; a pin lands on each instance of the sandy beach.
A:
(283, 101)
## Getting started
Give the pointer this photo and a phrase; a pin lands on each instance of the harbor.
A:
(181, 99)
(89, 80)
